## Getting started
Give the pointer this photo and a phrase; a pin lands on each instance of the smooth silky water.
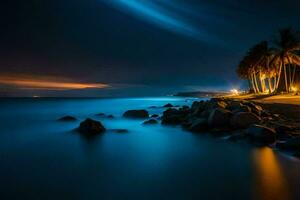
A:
(42, 158)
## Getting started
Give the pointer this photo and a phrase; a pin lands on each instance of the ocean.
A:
(43, 158)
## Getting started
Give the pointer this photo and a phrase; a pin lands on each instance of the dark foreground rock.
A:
(198, 125)
(67, 118)
(219, 118)
(150, 121)
(244, 119)
(174, 116)
(136, 114)
(261, 134)
(91, 127)
(154, 115)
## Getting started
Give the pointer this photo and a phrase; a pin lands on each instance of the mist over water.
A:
(42, 158)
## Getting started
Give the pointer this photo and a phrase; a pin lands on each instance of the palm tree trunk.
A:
(270, 85)
(294, 72)
(278, 78)
(253, 86)
(256, 85)
(285, 77)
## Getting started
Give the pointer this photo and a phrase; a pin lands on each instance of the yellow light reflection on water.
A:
(270, 182)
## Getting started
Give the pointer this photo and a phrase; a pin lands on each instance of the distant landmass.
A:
(200, 94)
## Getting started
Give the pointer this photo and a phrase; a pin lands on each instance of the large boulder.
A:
(261, 134)
(91, 127)
(219, 118)
(198, 125)
(290, 144)
(136, 114)
(244, 119)
(174, 116)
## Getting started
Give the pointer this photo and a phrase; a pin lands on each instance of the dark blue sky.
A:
(135, 47)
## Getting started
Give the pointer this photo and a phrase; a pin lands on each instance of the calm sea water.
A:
(41, 158)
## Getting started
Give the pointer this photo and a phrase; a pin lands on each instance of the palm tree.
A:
(286, 46)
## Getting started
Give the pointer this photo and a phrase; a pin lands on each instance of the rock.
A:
(154, 115)
(100, 114)
(198, 125)
(256, 109)
(233, 105)
(150, 121)
(290, 144)
(120, 130)
(110, 116)
(91, 127)
(221, 104)
(153, 107)
(136, 114)
(185, 108)
(198, 104)
(242, 108)
(67, 118)
(174, 116)
(219, 118)
(261, 134)
(244, 119)
(168, 105)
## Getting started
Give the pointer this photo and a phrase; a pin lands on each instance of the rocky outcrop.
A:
(244, 119)
(91, 127)
(261, 134)
(136, 114)
(174, 116)
(219, 118)
(198, 125)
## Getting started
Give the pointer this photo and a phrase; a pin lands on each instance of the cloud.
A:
(24, 81)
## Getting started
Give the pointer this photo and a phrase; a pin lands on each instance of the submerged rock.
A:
(100, 114)
(244, 119)
(67, 118)
(150, 121)
(110, 116)
(168, 105)
(91, 127)
(155, 115)
(120, 130)
(261, 134)
(136, 114)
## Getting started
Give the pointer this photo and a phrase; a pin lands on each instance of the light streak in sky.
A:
(163, 16)
(46, 83)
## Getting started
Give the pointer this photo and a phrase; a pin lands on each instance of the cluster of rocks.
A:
(238, 120)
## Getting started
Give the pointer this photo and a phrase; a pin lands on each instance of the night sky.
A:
(131, 47)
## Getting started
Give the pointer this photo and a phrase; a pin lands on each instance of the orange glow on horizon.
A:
(47, 83)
